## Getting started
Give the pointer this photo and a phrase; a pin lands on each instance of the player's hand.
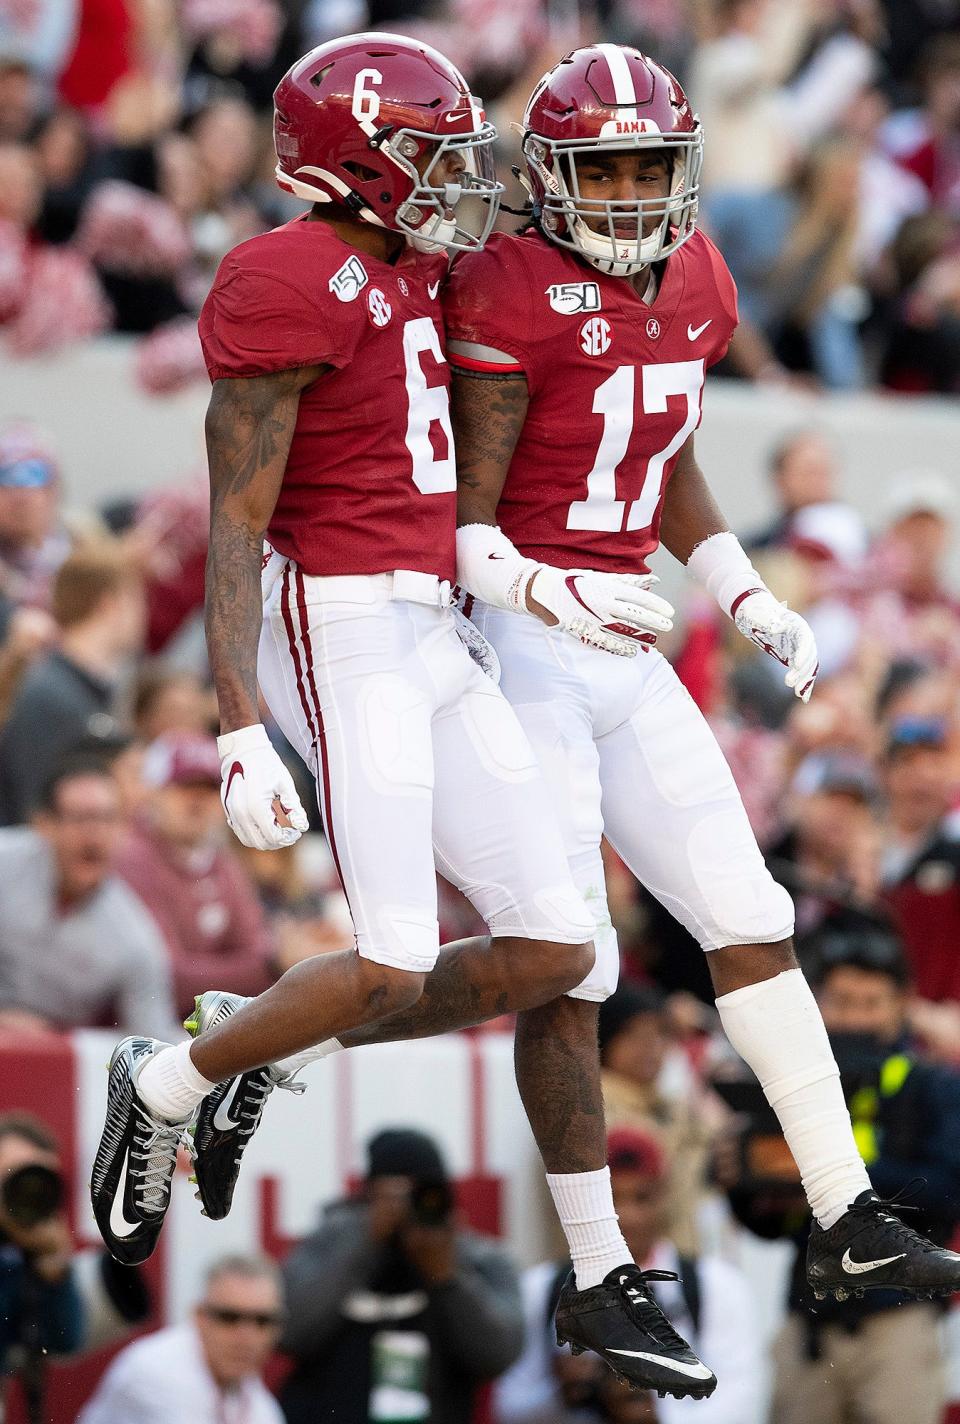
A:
(260, 800)
(784, 635)
(613, 612)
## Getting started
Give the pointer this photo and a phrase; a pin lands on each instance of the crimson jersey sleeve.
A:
(257, 320)
(489, 301)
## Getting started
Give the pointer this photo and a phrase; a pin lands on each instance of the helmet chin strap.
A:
(596, 250)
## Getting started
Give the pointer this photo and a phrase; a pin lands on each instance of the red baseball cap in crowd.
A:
(182, 759)
(630, 1149)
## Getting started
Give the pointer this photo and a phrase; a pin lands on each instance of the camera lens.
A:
(32, 1194)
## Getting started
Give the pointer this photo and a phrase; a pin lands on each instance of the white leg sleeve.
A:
(776, 1028)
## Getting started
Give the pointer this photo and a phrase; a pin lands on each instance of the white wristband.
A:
(244, 739)
(724, 569)
(492, 568)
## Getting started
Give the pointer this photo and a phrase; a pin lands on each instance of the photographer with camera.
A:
(840, 1360)
(41, 1311)
(396, 1312)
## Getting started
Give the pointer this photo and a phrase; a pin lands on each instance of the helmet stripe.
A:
(623, 90)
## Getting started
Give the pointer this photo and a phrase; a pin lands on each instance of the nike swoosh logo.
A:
(222, 1120)
(495, 556)
(692, 1371)
(857, 1268)
(119, 1225)
(571, 583)
(694, 331)
(235, 770)
(432, 289)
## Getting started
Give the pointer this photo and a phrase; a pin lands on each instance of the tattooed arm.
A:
(249, 427)
(488, 412)
(488, 415)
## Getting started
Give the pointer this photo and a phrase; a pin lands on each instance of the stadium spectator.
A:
(835, 1360)
(64, 148)
(919, 336)
(926, 140)
(391, 1281)
(168, 700)
(53, 1299)
(174, 860)
(814, 304)
(77, 948)
(19, 94)
(918, 512)
(710, 1305)
(735, 80)
(49, 296)
(98, 604)
(635, 1042)
(41, 1309)
(27, 633)
(921, 853)
(803, 471)
(33, 538)
(828, 855)
(207, 1370)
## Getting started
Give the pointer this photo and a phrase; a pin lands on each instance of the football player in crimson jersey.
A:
(332, 547)
(579, 350)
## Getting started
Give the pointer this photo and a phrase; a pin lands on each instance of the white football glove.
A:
(784, 635)
(252, 778)
(613, 612)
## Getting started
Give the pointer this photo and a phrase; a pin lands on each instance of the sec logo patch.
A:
(379, 309)
(595, 336)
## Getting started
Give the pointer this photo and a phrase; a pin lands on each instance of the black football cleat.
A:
(230, 1113)
(869, 1248)
(135, 1161)
(621, 1322)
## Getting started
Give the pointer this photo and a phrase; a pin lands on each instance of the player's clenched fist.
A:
(784, 635)
(254, 785)
(613, 612)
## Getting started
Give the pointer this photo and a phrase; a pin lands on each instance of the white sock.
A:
(170, 1085)
(285, 1067)
(776, 1028)
(584, 1202)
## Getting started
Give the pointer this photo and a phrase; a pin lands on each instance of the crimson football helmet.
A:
(354, 117)
(611, 98)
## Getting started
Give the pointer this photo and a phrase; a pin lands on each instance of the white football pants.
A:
(627, 753)
(420, 763)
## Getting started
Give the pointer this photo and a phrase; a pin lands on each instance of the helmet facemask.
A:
(452, 216)
(564, 211)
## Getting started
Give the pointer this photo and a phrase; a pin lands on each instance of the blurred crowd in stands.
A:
(136, 149)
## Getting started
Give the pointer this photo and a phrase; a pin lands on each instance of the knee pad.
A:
(741, 903)
(604, 977)
(405, 938)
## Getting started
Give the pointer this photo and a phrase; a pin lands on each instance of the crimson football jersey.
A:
(615, 386)
(370, 482)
